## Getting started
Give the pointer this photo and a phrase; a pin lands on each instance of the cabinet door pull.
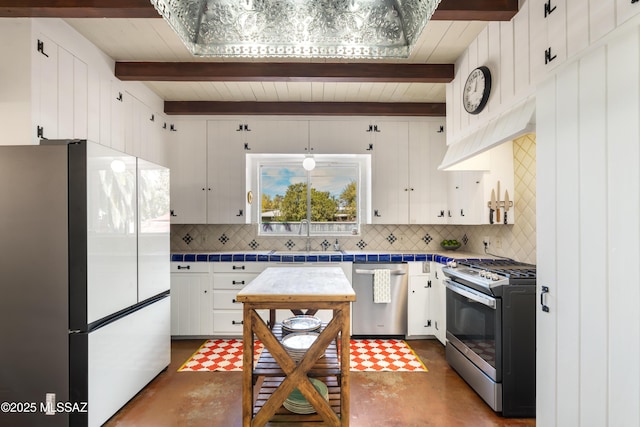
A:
(235, 322)
(241, 282)
(461, 212)
(545, 290)
(185, 267)
(238, 267)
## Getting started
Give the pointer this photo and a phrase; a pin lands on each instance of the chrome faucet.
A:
(306, 221)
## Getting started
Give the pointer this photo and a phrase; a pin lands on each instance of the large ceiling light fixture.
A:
(298, 28)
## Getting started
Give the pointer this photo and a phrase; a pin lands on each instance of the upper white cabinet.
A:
(390, 175)
(354, 136)
(61, 80)
(548, 39)
(407, 187)
(226, 194)
(269, 136)
(188, 162)
(469, 192)
(465, 196)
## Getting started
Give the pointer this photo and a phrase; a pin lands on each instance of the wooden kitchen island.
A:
(296, 289)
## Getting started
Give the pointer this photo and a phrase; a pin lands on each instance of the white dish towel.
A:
(381, 286)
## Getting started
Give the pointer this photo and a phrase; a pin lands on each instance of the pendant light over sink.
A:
(298, 28)
(309, 163)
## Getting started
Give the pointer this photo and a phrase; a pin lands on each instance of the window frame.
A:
(362, 163)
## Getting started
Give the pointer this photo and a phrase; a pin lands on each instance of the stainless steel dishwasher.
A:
(376, 319)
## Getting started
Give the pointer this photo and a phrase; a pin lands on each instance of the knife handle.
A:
(490, 216)
(505, 217)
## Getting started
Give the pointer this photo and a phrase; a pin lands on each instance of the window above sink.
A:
(330, 200)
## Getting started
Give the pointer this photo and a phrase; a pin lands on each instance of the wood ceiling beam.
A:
(305, 108)
(480, 10)
(283, 72)
(464, 10)
(77, 9)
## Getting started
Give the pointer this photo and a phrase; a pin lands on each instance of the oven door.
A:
(474, 323)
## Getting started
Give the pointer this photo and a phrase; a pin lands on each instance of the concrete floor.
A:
(390, 399)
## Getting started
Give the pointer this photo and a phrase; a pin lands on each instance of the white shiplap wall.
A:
(514, 52)
(588, 157)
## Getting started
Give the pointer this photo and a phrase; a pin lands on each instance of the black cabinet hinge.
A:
(441, 129)
(41, 48)
(548, 9)
(428, 283)
(246, 146)
(428, 325)
(40, 132)
(548, 56)
(370, 147)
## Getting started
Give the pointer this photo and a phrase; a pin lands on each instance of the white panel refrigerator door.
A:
(111, 236)
(124, 356)
(153, 230)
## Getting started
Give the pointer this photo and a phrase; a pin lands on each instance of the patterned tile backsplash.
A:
(518, 241)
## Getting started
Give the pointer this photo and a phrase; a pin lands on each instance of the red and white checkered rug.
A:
(366, 355)
(384, 355)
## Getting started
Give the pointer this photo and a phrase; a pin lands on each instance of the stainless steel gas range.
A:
(491, 331)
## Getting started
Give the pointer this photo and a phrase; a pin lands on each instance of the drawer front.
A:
(238, 267)
(229, 322)
(225, 299)
(190, 267)
(232, 280)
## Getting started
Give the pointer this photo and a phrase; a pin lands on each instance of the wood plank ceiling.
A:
(146, 49)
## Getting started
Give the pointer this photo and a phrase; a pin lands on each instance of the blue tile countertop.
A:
(343, 256)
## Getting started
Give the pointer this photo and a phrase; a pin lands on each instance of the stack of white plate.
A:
(301, 323)
(297, 403)
(296, 344)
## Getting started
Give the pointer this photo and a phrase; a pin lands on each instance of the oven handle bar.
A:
(474, 296)
(372, 272)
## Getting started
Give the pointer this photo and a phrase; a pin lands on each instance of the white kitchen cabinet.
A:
(469, 192)
(427, 185)
(226, 175)
(188, 162)
(353, 136)
(61, 82)
(420, 321)
(407, 187)
(228, 279)
(438, 302)
(390, 177)
(466, 191)
(191, 299)
(270, 136)
(437, 201)
(548, 37)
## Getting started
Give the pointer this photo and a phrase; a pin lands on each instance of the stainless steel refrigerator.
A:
(84, 281)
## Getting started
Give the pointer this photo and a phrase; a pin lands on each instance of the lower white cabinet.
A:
(439, 302)
(203, 297)
(426, 305)
(419, 311)
(191, 299)
(228, 279)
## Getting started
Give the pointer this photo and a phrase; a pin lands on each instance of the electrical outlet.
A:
(498, 243)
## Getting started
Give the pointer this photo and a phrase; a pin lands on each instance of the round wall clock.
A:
(477, 88)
